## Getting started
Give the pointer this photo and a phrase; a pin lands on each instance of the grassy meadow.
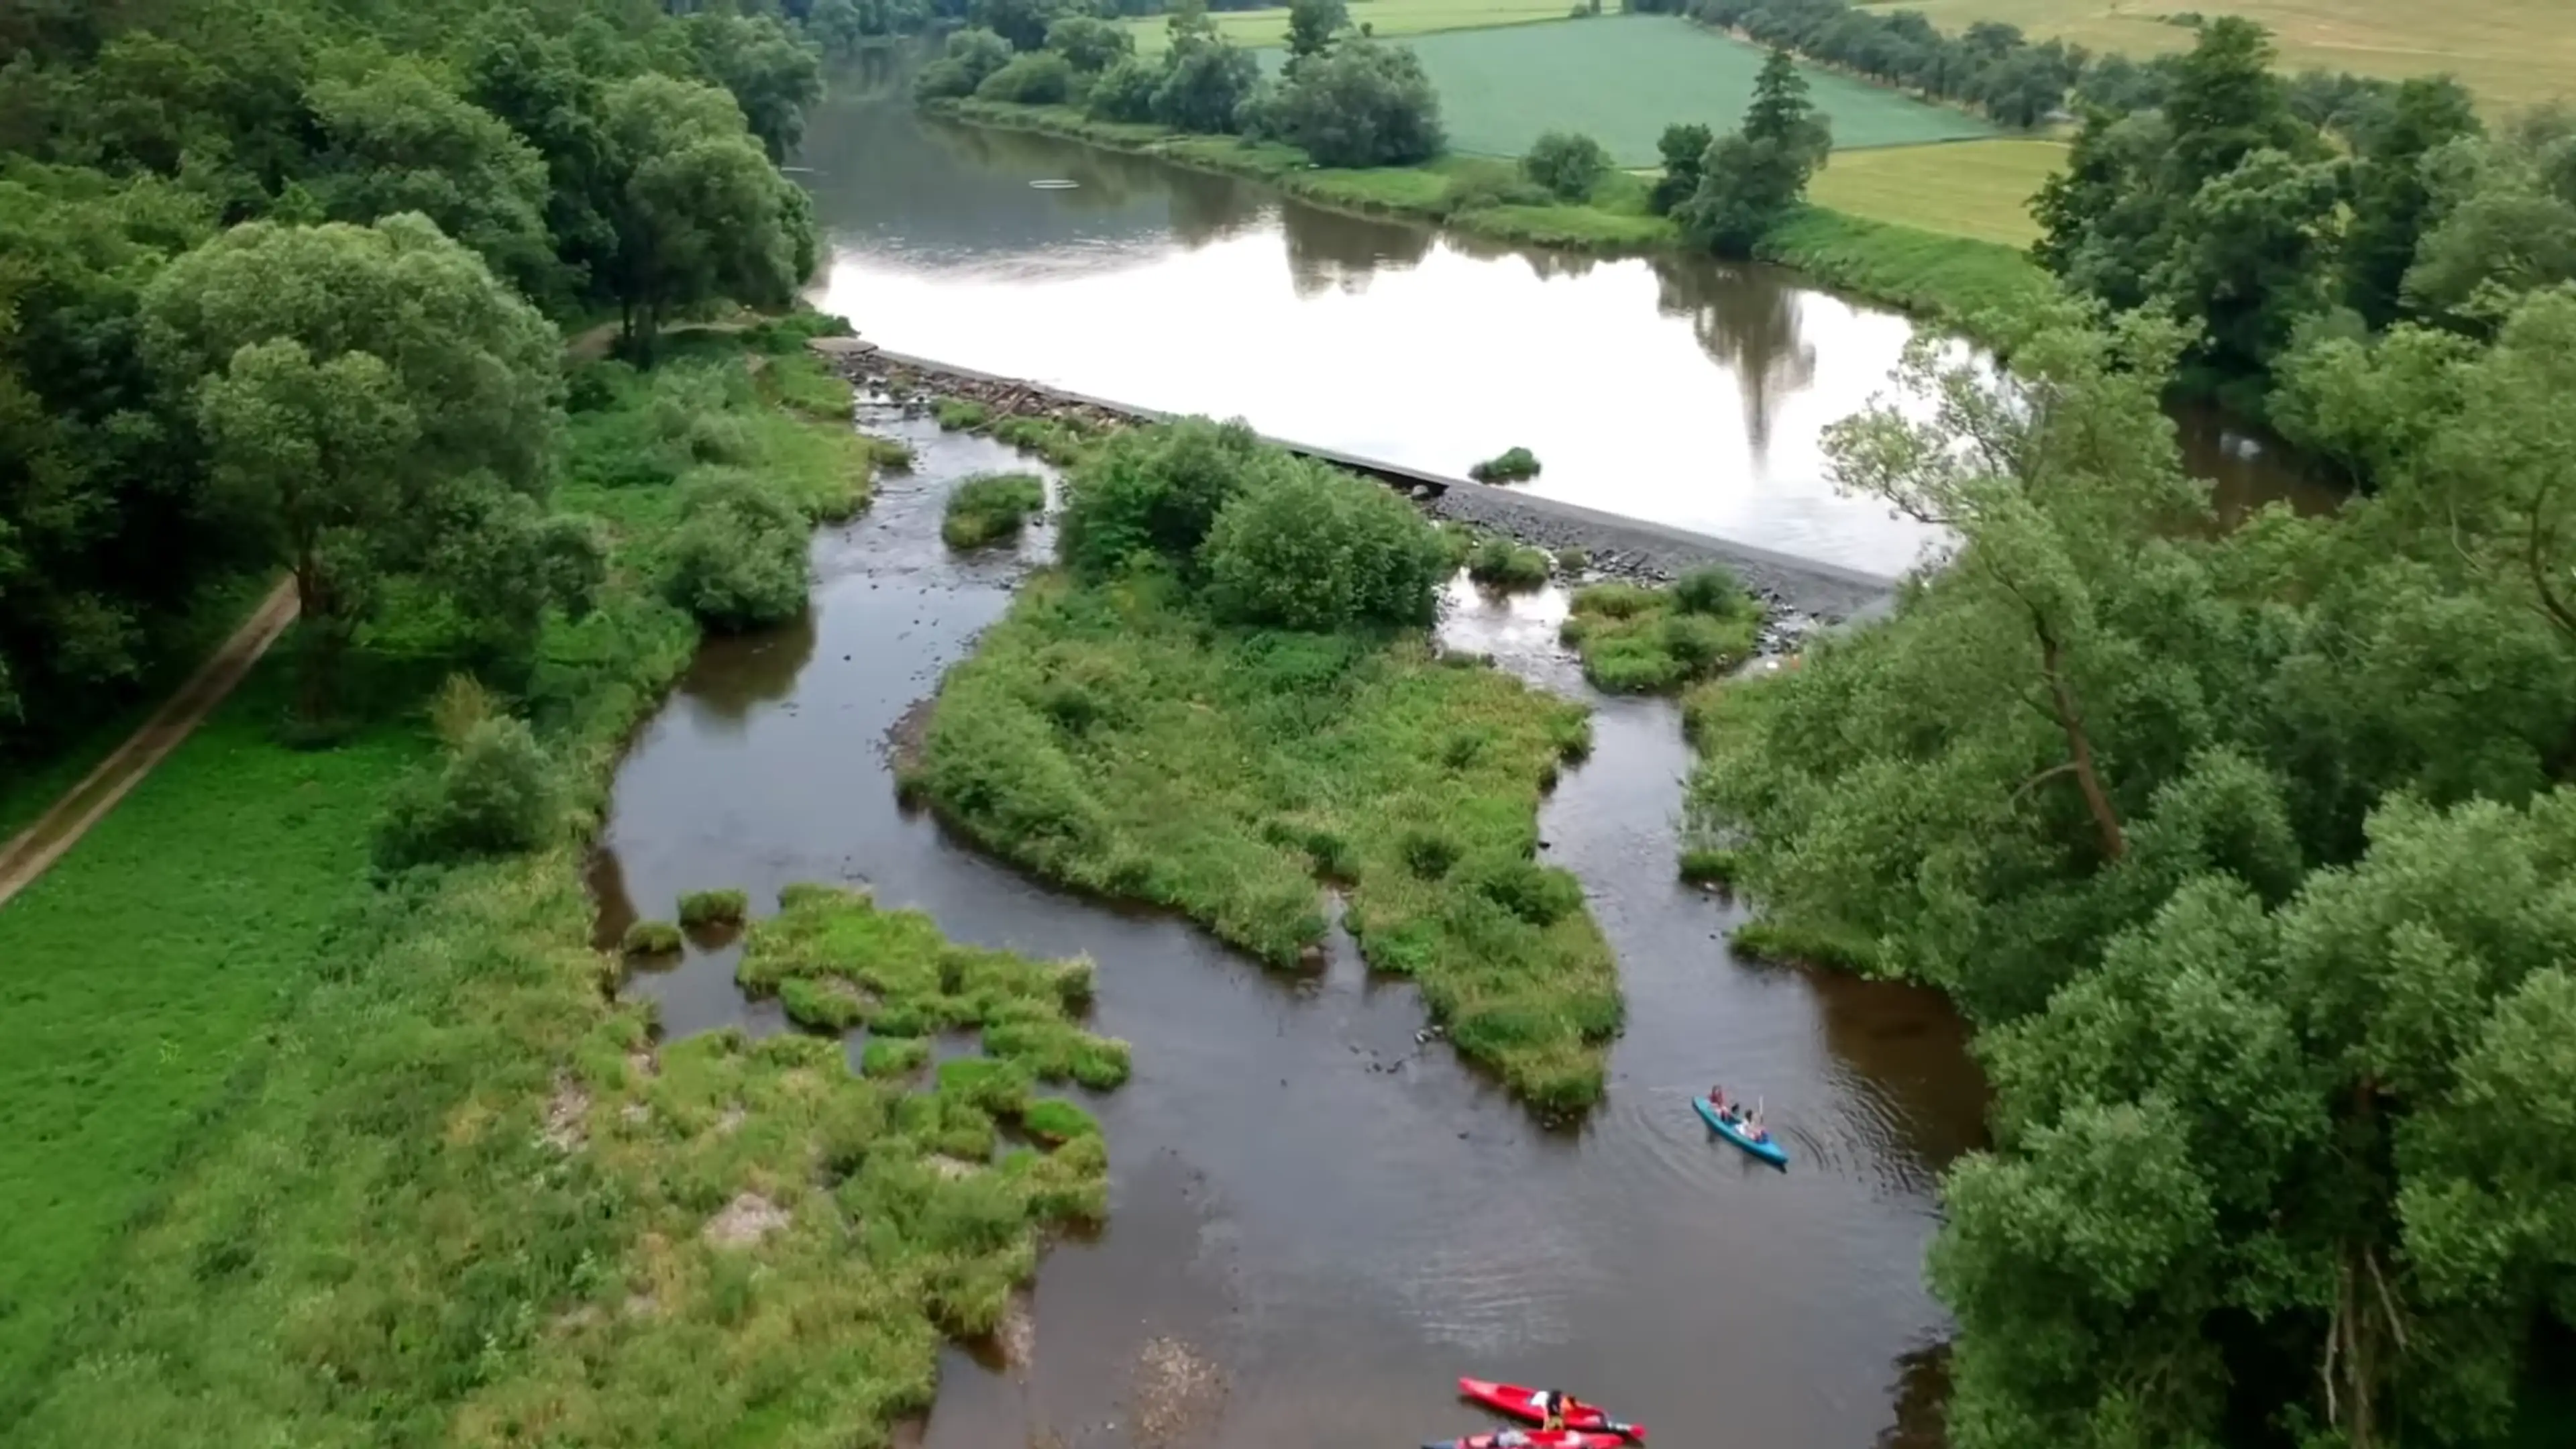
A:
(1637, 640)
(296, 1157)
(2513, 53)
(1111, 737)
(1975, 189)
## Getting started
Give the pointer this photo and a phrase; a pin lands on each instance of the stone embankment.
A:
(1799, 594)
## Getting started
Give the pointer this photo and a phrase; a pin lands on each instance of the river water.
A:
(1682, 391)
(1335, 1214)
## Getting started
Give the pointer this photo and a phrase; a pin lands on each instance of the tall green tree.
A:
(772, 74)
(1753, 177)
(376, 401)
(400, 141)
(1312, 24)
(2392, 200)
(699, 211)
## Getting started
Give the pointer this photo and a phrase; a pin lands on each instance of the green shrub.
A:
(1506, 565)
(702, 909)
(1572, 561)
(1709, 865)
(1427, 855)
(651, 938)
(1152, 491)
(739, 559)
(887, 453)
(823, 1002)
(1512, 465)
(1052, 1120)
(1713, 590)
(1306, 546)
(496, 792)
(1567, 164)
(893, 1056)
(970, 56)
(1124, 92)
(990, 507)
(989, 1084)
(960, 415)
(1541, 895)
(1088, 43)
(1041, 78)
(1614, 600)
(1357, 104)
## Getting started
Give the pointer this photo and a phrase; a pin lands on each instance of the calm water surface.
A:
(1339, 1215)
(1342, 1217)
(1682, 391)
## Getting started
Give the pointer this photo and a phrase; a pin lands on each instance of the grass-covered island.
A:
(1225, 702)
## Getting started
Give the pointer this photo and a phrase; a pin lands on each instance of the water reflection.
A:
(1746, 320)
(733, 674)
(1333, 250)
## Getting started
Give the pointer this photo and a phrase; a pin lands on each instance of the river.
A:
(1682, 391)
(1336, 1216)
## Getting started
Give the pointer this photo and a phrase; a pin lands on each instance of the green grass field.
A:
(226, 1206)
(1622, 79)
(2513, 53)
(1387, 18)
(1979, 189)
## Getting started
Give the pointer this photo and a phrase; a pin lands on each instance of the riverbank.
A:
(1055, 424)
(354, 1152)
(1952, 280)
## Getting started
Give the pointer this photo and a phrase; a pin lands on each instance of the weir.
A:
(1809, 584)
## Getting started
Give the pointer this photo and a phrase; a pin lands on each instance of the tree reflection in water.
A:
(1333, 250)
(1747, 320)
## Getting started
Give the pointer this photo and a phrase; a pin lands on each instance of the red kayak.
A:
(1532, 1439)
(1522, 1403)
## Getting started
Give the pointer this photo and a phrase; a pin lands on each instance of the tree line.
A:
(2248, 851)
(282, 284)
(1343, 98)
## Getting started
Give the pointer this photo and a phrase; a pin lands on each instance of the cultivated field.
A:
(1384, 17)
(1622, 79)
(2514, 53)
(1979, 189)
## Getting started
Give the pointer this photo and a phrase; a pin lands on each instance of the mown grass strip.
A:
(1113, 738)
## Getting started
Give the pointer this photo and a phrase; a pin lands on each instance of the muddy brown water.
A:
(1337, 1216)
(1341, 1218)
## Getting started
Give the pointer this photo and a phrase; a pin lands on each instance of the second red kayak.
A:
(1534, 1440)
(1522, 1403)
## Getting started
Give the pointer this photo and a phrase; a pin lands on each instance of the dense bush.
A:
(738, 560)
(1152, 491)
(651, 938)
(1507, 565)
(1088, 43)
(1306, 546)
(1512, 465)
(1684, 149)
(1203, 86)
(495, 792)
(1040, 78)
(990, 507)
(1567, 164)
(1124, 92)
(699, 909)
(1643, 641)
(971, 55)
(1357, 104)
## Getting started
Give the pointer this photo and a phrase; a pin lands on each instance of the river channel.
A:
(1333, 1214)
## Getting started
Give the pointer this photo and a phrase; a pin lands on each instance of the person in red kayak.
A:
(1551, 1405)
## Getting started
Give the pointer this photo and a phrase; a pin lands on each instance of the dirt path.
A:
(37, 847)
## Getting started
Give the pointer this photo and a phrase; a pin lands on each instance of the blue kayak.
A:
(1768, 1149)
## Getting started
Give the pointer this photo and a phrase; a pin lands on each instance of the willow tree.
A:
(378, 406)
